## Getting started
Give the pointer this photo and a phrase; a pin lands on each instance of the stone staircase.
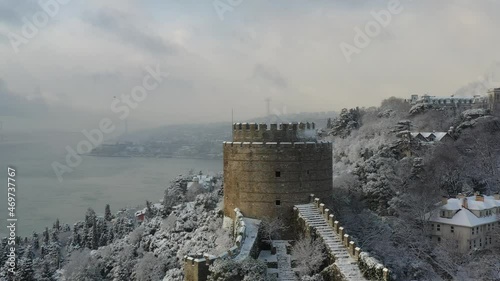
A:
(345, 262)
(285, 271)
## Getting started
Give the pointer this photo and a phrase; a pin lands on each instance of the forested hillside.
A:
(385, 183)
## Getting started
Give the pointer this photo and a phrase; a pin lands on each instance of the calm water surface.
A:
(121, 182)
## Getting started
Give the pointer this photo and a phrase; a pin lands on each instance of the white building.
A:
(471, 222)
(476, 100)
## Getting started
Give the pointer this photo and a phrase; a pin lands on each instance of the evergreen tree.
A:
(46, 274)
(76, 239)
(95, 235)
(25, 270)
(36, 242)
(90, 217)
(57, 225)
(55, 237)
(149, 210)
(46, 236)
(111, 235)
(107, 213)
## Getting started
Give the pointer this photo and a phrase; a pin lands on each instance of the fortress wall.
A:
(371, 268)
(196, 266)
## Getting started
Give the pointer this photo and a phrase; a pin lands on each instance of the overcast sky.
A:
(68, 73)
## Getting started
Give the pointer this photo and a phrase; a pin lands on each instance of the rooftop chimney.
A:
(444, 200)
(496, 196)
(465, 204)
(479, 197)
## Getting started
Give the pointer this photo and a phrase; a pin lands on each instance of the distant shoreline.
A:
(163, 157)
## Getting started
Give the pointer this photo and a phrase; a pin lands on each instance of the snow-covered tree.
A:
(308, 255)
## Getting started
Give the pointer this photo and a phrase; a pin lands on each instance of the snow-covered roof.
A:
(464, 216)
(438, 136)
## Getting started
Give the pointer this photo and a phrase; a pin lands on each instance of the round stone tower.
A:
(269, 170)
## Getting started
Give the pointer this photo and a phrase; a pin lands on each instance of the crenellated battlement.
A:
(283, 144)
(274, 132)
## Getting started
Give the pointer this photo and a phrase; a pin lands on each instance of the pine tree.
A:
(90, 217)
(55, 237)
(107, 213)
(76, 239)
(57, 225)
(149, 210)
(46, 236)
(36, 242)
(25, 270)
(111, 235)
(46, 274)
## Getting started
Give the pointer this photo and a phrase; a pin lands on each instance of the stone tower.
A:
(269, 170)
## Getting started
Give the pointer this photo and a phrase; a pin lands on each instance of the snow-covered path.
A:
(285, 271)
(346, 264)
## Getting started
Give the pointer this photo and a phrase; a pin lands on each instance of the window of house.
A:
(278, 202)
(480, 242)
(308, 172)
(277, 174)
(439, 239)
(474, 243)
(452, 229)
(438, 227)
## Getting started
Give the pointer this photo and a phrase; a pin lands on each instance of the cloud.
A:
(118, 24)
(269, 74)
(286, 50)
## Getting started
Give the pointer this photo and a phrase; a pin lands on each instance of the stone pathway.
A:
(347, 265)
(285, 271)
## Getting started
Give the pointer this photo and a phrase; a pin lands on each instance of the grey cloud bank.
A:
(92, 51)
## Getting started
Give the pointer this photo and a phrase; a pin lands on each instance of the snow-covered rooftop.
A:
(465, 216)
(438, 136)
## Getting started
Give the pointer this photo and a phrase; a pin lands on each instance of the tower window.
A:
(277, 174)
(278, 202)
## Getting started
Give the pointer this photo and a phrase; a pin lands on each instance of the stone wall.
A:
(268, 179)
(370, 267)
(196, 266)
